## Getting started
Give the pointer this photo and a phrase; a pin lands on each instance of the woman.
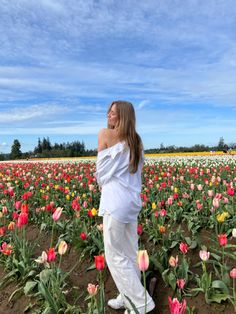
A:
(119, 166)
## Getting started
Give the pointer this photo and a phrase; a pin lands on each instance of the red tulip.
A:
(3, 230)
(99, 262)
(83, 236)
(51, 255)
(222, 238)
(177, 307)
(22, 220)
(230, 191)
(24, 208)
(183, 247)
(139, 229)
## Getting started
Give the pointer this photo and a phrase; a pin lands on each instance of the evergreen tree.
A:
(221, 144)
(15, 150)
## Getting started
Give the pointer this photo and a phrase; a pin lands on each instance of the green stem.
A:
(59, 266)
(234, 294)
(23, 239)
(144, 283)
(53, 225)
(102, 301)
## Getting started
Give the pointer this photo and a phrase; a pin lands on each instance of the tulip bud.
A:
(204, 255)
(99, 262)
(233, 273)
(143, 260)
(62, 248)
(234, 232)
(57, 214)
(92, 289)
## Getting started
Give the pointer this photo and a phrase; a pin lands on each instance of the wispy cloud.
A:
(31, 112)
(63, 62)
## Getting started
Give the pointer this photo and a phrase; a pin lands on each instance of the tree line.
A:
(45, 149)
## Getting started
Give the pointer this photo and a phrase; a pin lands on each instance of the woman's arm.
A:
(102, 143)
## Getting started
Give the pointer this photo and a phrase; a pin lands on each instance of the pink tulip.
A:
(180, 283)
(199, 187)
(216, 202)
(92, 289)
(17, 204)
(177, 307)
(163, 212)
(233, 273)
(170, 201)
(173, 261)
(210, 193)
(204, 255)
(143, 260)
(57, 214)
(226, 200)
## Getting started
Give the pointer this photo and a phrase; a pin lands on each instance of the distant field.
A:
(153, 155)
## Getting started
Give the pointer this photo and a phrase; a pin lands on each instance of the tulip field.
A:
(51, 244)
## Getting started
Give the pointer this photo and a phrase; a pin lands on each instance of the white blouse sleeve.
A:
(108, 162)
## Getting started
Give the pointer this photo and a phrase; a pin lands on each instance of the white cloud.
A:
(65, 56)
(30, 112)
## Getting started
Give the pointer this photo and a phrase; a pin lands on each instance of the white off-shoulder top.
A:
(120, 193)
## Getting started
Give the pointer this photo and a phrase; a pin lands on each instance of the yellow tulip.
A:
(154, 206)
(68, 197)
(221, 217)
(94, 212)
(62, 248)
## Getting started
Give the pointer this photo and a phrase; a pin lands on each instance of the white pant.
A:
(121, 247)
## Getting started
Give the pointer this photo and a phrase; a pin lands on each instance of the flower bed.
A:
(50, 234)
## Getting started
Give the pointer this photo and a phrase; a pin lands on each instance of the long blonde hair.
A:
(126, 131)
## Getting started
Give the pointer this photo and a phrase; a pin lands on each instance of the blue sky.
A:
(62, 62)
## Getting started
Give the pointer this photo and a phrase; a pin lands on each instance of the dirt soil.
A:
(80, 278)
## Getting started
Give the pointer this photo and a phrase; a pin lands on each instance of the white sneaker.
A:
(117, 303)
(150, 307)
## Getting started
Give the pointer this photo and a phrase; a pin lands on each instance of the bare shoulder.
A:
(107, 138)
(112, 137)
(102, 132)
